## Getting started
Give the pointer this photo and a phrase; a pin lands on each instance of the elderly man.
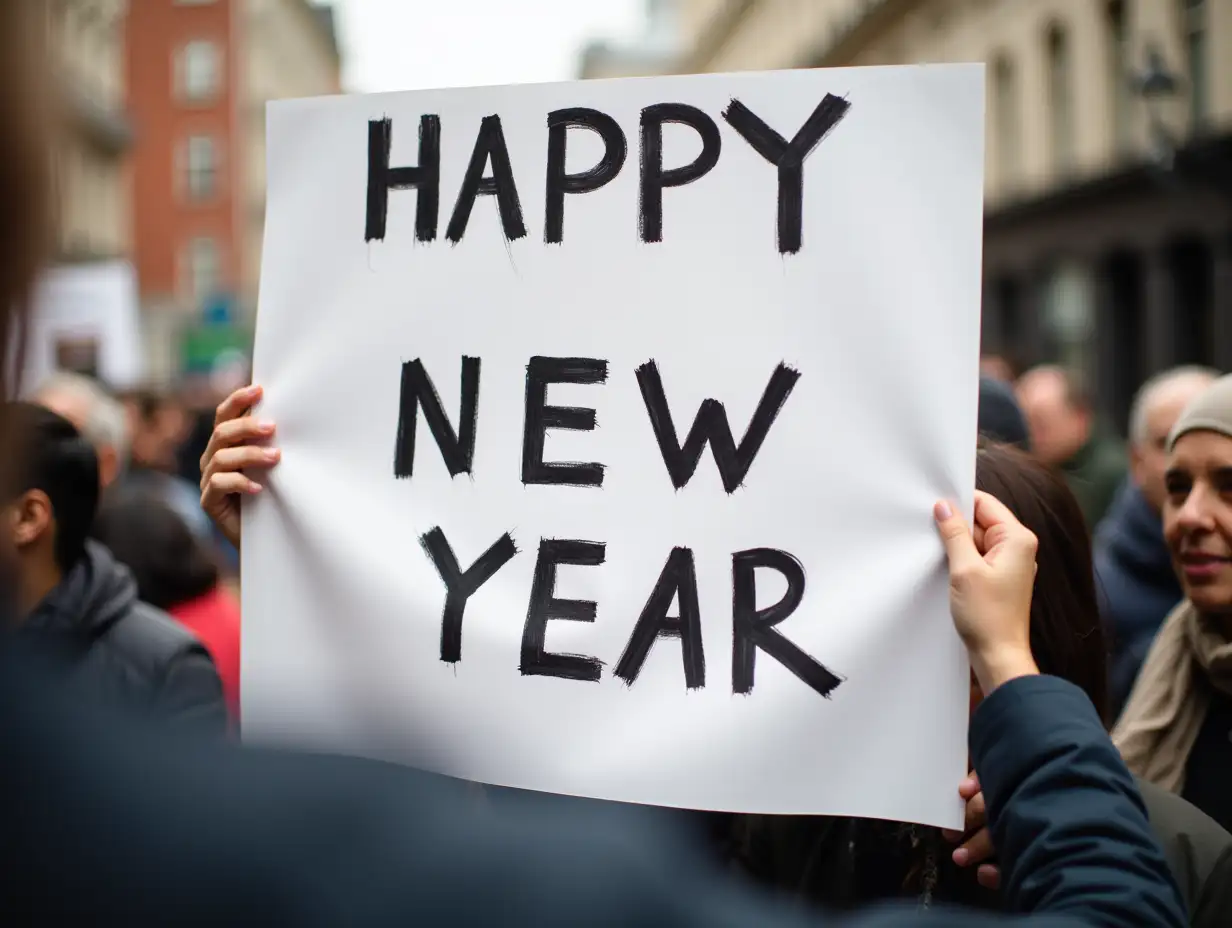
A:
(1137, 584)
(100, 418)
(1066, 435)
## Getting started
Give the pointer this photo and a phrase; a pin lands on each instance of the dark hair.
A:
(148, 402)
(53, 457)
(1067, 637)
(840, 862)
(170, 564)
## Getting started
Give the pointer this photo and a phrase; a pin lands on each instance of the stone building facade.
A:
(1108, 224)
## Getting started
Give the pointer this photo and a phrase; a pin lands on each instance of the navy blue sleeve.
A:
(1066, 817)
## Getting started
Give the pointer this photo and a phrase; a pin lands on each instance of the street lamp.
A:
(1156, 85)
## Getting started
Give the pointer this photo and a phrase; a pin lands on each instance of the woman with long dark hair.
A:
(845, 862)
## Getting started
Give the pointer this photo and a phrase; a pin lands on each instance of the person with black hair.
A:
(76, 604)
(177, 572)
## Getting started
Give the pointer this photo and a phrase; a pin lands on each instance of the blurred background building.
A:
(656, 51)
(92, 178)
(198, 75)
(1108, 225)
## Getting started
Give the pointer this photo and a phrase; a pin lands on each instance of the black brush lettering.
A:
(679, 578)
(540, 417)
(461, 586)
(753, 628)
(654, 178)
(711, 426)
(615, 150)
(457, 448)
(425, 177)
(489, 146)
(544, 607)
(788, 158)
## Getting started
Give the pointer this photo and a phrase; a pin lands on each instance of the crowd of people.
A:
(1101, 685)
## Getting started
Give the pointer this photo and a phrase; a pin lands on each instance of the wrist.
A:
(996, 667)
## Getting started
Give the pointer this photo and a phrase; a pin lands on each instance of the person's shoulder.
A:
(1199, 849)
(149, 641)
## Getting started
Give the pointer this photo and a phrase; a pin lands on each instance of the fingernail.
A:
(254, 488)
(961, 856)
(942, 511)
(968, 783)
(266, 427)
(272, 454)
(253, 389)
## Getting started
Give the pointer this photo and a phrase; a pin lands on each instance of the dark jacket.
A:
(843, 862)
(1095, 474)
(120, 651)
(1136, 584)
(1199, 853)
(232, 835)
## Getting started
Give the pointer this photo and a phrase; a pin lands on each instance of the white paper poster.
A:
(612, 418)
(85, 318)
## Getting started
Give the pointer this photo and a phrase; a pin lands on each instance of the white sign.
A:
(85, 317)
(612, 418)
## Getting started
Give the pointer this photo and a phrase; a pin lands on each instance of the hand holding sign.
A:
(228, 454)
(990, 589)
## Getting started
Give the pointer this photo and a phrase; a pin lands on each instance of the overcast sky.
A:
(413, 44)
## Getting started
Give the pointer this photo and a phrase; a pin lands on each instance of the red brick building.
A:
(199, 73)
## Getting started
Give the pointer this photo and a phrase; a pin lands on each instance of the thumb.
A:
(956, 536)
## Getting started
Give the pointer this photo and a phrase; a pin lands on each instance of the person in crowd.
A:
(158, 426)
(1000, 417)
(1136, 582)
(999, 367)
(176, 572)
(842, 862)
(99, 417)
(1176, 730)
(1065, 434)
(107, 822)
(77, 603)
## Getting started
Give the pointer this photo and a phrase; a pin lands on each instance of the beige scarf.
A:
(1160, 724)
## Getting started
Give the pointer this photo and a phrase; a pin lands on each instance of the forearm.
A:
(1065, 813)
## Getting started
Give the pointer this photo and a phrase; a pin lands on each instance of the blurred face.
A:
(76, 410)
(1058, 429)
(1197, 515)
(1148, 457)
(156, 439)
(996, 367)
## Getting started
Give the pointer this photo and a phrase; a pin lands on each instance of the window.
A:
(202, 270)
(1005, 120)
(1194, 35)
(198, 71)
(201, 167)
(1060, 101)
(1119, 67)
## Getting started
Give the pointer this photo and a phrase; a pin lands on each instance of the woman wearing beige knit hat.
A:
(1176, 730)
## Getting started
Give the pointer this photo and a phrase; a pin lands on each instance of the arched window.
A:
(1119, 68)
(1006, 121)
(1194, 35)
(1060, 100)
